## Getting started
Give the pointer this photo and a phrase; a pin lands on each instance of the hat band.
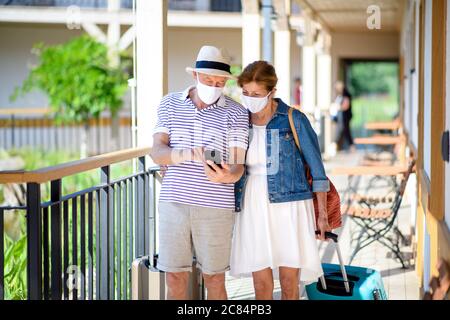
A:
(213, 65)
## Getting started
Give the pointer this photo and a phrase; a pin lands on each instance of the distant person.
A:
(298, 91)
(343, 103)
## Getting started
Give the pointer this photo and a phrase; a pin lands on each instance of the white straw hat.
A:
(212, 61)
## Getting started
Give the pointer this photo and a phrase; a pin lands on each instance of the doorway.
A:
(374, 87)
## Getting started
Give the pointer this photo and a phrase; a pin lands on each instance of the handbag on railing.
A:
(333, 199)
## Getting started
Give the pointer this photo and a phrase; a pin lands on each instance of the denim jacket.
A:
(286, 177)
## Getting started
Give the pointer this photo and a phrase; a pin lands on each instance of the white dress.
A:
(272, 235)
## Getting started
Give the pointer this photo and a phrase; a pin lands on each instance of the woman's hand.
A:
(162, 170)
(323, 226)
(322, 221)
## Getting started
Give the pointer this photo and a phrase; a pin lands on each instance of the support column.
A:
(151, 63)
(309, 69)
(267, 9)
(324, 85)
(309, 79)
(283, 64)
(113, 38)
(251, 32)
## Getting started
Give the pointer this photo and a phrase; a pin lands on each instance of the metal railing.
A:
(124, 4)
(81, 245)
(35, 128)
(206, 5)
(190, 5)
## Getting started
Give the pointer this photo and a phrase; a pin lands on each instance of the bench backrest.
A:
(402, 187)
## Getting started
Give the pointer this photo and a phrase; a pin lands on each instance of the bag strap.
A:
(293, 129)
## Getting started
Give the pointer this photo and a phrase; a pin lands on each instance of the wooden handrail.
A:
(70, 168)
(24, 111)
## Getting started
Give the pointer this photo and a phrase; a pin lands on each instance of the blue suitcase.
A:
(342, 282)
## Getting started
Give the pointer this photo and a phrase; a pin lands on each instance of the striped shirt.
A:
(221, 126)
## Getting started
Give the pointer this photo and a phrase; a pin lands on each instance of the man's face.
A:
(212, 81)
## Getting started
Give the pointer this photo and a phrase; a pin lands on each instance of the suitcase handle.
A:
(334, 237)
(329, 235)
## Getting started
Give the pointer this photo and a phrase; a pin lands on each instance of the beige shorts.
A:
(186, 231)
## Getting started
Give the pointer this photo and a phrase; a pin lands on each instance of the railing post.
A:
(104, 234)
(140, 234)
(56, 288)
(13, 129)
(34, 241)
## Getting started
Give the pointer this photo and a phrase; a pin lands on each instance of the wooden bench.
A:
(440, 285)
(381, 140)
(375, 216)
(394, 125)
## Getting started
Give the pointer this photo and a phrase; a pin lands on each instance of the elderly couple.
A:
(252, 212)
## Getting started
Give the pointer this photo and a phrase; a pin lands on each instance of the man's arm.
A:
(162, 154)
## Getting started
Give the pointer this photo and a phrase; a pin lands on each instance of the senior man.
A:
(196, 205)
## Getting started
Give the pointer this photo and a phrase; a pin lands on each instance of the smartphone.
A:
(214, 156)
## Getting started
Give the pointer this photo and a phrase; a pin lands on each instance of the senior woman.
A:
(274, 234)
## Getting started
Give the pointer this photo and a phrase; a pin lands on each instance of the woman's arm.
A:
(311, 152)
(322, 222)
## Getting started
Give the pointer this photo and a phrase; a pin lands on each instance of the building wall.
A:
(373, 45)
(183, 45)
(16, 58)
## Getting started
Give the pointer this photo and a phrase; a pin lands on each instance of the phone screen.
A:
(214, 156)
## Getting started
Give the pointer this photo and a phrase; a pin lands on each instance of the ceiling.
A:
(351, 15)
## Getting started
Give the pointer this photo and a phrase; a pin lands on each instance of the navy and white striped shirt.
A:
(221, 126)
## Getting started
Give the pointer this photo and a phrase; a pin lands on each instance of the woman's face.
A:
(255, 90)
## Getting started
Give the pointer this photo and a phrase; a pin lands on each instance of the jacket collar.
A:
(283, 108)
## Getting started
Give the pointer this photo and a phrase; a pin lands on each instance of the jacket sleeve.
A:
(311, 153)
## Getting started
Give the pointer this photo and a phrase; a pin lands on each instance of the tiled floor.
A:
(400, 284)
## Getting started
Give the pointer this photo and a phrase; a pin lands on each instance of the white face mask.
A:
(208, 94)
(255, 105)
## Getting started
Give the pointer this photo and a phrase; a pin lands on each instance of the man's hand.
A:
(226, 174)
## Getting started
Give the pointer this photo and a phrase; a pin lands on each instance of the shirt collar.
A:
(185, 97)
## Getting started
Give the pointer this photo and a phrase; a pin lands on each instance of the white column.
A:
(251, 32)
(283, 64)
(309, 79)
(113, 33)
(151, 65)
(324, 85)
(324, 81)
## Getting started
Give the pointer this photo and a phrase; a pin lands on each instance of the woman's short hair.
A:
(260, 72)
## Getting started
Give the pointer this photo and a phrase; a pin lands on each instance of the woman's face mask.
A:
(208, 94)
(254, 104)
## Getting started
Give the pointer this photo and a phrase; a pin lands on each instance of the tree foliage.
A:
(78, 80)
(368, 78)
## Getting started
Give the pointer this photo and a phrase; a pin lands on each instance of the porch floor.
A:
(400, 284)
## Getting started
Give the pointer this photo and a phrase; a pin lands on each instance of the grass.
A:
(372, 108)
(15, 249)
